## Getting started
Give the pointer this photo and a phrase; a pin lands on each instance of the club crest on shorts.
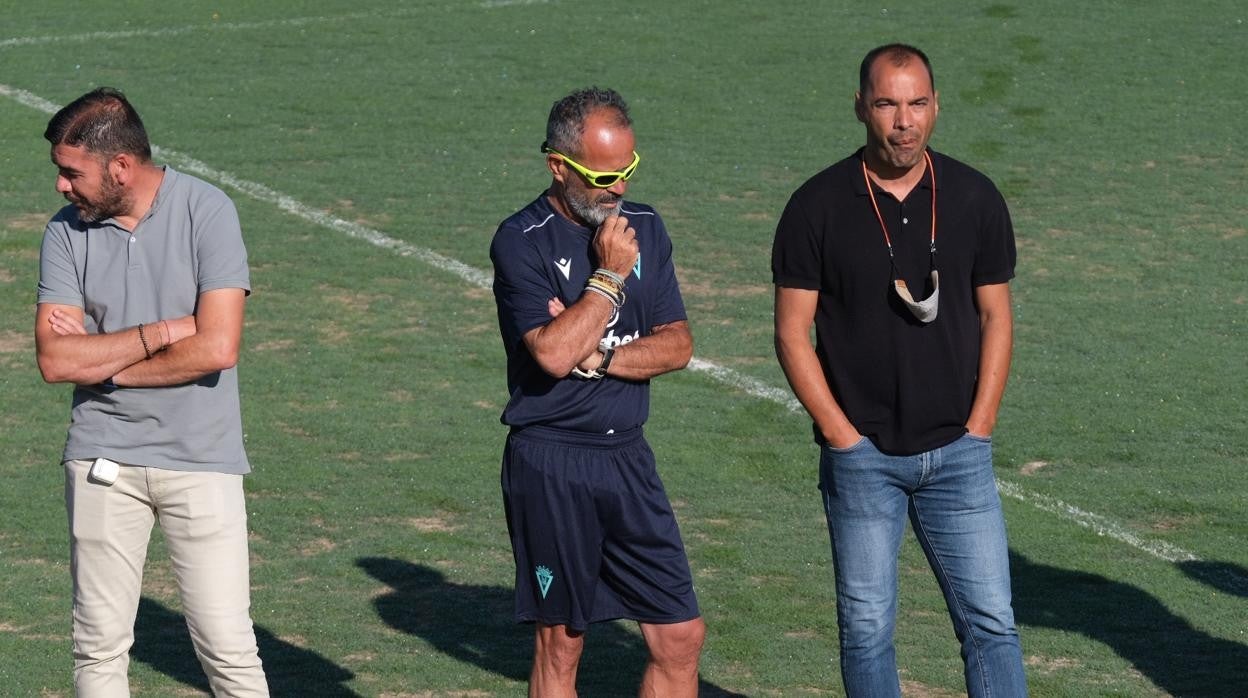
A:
(544, 578)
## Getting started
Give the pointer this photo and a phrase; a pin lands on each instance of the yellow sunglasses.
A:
(601, 180)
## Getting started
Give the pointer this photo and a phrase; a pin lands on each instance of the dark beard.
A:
(110, 202)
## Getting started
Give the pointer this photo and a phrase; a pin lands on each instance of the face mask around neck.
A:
(925, 310)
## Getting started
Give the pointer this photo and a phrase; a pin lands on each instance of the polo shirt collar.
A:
(860, 185)
(166, 184)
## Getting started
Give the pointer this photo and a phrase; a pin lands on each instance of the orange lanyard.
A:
(888, 240)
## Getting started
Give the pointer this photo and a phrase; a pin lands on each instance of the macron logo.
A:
(565, 265)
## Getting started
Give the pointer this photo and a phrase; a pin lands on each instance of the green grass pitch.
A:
(373, 146)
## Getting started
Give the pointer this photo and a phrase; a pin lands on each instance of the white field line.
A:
(260, 192)
(215, 25)
(1097, 523)
(745, 384)
(286, 203)
(722, 374)
(490, 4)
(174, 31)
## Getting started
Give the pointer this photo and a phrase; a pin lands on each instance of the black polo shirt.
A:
(906, 385)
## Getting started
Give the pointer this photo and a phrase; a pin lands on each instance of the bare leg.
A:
(673, 668)
(556, 655)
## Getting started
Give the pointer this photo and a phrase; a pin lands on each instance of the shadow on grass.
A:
(163, 643)
(1179, 658)
(474, 624)
(1226, 577)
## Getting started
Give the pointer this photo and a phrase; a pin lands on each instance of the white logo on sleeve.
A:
(565, 265)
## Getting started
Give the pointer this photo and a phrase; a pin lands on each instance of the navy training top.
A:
(538, 254)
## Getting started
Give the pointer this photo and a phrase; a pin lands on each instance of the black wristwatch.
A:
(607, 353)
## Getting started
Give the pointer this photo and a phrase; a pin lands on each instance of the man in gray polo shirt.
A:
(142, 284)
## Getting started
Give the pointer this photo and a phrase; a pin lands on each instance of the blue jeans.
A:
(951, 496)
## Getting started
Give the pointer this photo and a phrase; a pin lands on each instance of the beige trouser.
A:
(204, 520)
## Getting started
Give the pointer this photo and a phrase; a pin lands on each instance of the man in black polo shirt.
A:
(901, 257)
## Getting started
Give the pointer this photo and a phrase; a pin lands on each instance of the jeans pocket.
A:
(978, 438)
(857, 445)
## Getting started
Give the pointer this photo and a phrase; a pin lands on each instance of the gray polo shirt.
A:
(188, 243)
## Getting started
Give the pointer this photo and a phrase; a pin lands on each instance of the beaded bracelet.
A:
(146, 349)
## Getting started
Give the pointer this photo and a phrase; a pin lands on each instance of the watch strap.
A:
(607, 354)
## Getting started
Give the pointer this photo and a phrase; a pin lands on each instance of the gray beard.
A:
(591, 214)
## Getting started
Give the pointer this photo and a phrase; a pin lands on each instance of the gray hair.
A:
(566, 124)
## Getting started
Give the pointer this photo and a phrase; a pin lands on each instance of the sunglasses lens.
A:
(601, 180)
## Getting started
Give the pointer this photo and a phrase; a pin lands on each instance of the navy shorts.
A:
(592, 532)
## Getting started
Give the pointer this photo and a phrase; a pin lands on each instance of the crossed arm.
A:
(193, 345)
(570, 340)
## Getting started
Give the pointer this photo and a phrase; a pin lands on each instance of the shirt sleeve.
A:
(669, 305)
(220, 252)
(795, 254)
(522, 289)
(59, 281)
(996, 255)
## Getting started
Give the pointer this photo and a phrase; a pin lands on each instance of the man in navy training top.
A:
(590, 311)
(901, 259)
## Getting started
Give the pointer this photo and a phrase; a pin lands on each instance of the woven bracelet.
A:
(616, 294)
(610, 275)
(615, 302)
(603, 285)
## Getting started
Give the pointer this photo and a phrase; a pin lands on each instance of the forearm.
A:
(205, 343)
(805, 375)
(795, 315)
(995, 350)
(667, 348)
(571, 337)
(88, 359)
(183, 362)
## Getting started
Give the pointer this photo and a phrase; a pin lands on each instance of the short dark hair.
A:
(566, 124)
(103, 122)
(899, 54)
